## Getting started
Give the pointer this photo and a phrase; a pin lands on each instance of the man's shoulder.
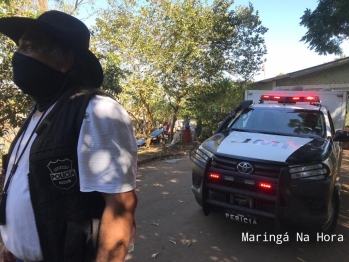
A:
(86, 90)
(101, 103)
(104, 100)
(106, 106)
(88, 94)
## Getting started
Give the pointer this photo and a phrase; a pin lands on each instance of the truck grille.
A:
(263, 169)
(238, 190)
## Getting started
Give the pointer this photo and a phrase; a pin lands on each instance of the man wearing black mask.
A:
(69, 193)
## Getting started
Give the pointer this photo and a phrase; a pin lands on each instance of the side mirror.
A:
(341, 136)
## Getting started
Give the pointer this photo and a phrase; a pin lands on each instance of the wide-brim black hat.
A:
(62, 28)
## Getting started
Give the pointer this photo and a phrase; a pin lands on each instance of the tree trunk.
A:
(149, 128)
(174, 119)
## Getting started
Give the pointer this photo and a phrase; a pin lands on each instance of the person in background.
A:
(198, 129)
(186, 125)
(69, 193)
(176, 137)
(166, 128)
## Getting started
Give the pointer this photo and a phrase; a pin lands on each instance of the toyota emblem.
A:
(245, 167)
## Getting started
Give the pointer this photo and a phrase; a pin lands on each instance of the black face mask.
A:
(43, 83)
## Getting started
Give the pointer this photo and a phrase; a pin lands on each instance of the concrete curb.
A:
(160, 157)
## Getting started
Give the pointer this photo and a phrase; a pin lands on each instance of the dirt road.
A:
(172, 227)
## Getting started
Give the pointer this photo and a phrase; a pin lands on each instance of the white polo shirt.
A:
(107, 153)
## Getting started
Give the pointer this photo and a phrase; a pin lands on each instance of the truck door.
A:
(336, 147)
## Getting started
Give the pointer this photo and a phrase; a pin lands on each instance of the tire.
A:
(330, 226)
(198, 200)
(206, 210)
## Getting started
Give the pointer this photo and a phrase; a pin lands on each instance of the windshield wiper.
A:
(259, 131)
(240, 130)
(295, 135)
(274, 133)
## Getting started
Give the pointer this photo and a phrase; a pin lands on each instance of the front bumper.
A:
(302, 202)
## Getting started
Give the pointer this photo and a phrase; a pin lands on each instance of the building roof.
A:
(310, 70)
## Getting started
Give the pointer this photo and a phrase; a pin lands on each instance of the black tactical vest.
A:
(67, 220)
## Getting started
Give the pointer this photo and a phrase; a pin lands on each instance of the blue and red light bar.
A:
(263, 185)
(290, 99)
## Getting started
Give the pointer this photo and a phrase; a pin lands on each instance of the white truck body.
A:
(335, 101)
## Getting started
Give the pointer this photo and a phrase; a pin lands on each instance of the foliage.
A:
(113, 74)
(159, 57)
(185, 48)
(247, 49)
(173, 50)
(227, 95)
(73, 7)
(14, 105)
(328, 26)
(214, 40)
(126, 34)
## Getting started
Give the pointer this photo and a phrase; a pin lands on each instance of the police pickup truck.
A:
(277, 159)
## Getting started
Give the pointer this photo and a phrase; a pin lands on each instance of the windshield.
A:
(281, 121)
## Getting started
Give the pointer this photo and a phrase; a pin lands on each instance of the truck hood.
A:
(268, 147)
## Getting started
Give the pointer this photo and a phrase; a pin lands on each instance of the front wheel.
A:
(330, 226)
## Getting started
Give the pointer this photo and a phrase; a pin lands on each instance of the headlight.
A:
(316, 172)
(203, 154)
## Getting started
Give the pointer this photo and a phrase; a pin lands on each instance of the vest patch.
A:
(62, 174)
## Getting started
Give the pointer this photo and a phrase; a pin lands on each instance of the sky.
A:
(286, 53)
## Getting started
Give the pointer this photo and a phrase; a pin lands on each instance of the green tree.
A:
(113, 74)
(184, 48)
(204, 43)
(245, 52)
(126, 31)
(213, 104)
(174, 49)
(328, 26)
